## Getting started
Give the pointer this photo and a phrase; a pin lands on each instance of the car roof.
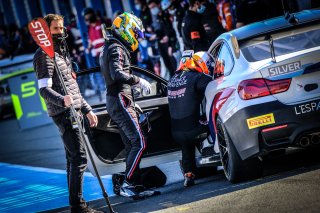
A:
(274, 24)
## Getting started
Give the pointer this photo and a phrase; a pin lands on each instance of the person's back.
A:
(185, 93)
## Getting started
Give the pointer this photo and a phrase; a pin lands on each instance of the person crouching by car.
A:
(185, 94)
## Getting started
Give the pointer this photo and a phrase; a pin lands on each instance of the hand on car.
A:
(68, 101)
(145, 86)
(92, 119)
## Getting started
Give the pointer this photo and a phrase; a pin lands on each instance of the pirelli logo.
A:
(262, 120)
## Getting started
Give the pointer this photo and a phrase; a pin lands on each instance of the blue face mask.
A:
(201, 9)
(155, 11)
(138, 7)
(172, 12)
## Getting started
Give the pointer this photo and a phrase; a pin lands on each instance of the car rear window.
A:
(287, 42)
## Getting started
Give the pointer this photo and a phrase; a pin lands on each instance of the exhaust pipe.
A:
(304, 142)
(315, 139)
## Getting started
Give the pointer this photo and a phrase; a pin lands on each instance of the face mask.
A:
(172, 12)
(144, 43)
(201, 9)
(57, 39)
(138, 7)
(92, 19)
(155, 11)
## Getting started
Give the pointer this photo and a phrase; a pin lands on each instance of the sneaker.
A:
(128, 190)
(188, 179)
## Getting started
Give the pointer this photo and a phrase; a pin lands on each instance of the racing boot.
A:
(129, 190)
(117, 181)
(136, 192)
(189, 179)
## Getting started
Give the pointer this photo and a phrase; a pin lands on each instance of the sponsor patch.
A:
(261, 120)
(307, 107)
(176, 93)
(285, 68)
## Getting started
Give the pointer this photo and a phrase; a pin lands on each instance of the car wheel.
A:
(234, 167)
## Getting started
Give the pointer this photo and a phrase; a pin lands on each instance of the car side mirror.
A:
(219, 68)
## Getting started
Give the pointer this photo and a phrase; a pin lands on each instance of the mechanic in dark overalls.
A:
(185, 94)
(58, 105)
(115, 65)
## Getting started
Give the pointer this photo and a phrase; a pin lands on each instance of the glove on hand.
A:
(145, 86)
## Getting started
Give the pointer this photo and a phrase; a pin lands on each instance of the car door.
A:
(105, 141)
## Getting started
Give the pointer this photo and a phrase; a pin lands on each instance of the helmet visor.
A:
(139, 33)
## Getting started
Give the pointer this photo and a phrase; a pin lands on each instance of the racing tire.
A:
(235, 169)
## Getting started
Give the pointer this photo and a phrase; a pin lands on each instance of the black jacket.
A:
(210, 18)
(185, 93)
(165, 29)
(49, 83)
(115, 66)
(193, 33)
(181, 6)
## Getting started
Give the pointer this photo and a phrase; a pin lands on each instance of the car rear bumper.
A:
(273, 125)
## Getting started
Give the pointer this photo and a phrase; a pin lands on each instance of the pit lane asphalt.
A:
(290, 183)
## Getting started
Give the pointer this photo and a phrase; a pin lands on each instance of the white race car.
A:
(266, 91)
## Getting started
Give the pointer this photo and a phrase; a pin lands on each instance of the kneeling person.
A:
(185, 94)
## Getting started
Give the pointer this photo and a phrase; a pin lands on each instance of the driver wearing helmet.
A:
(115, 65)
(185, 94)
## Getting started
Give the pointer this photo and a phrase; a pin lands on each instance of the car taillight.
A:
(259, 87)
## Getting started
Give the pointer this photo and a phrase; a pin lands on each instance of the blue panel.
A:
(79, 6)
(8, 12)
(21, 12)
(31, 189)
(34, 8)
(116, 5)
(98, 6)
(47, 6)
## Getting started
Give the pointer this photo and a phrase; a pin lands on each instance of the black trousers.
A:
(76, 159)
(168, 60)
(188, 141)
(122, 112)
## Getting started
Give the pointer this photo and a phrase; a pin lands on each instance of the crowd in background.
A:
(165, 22)
(15, 41)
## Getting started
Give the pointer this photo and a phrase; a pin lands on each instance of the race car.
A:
(105, 142)
(265, 94)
